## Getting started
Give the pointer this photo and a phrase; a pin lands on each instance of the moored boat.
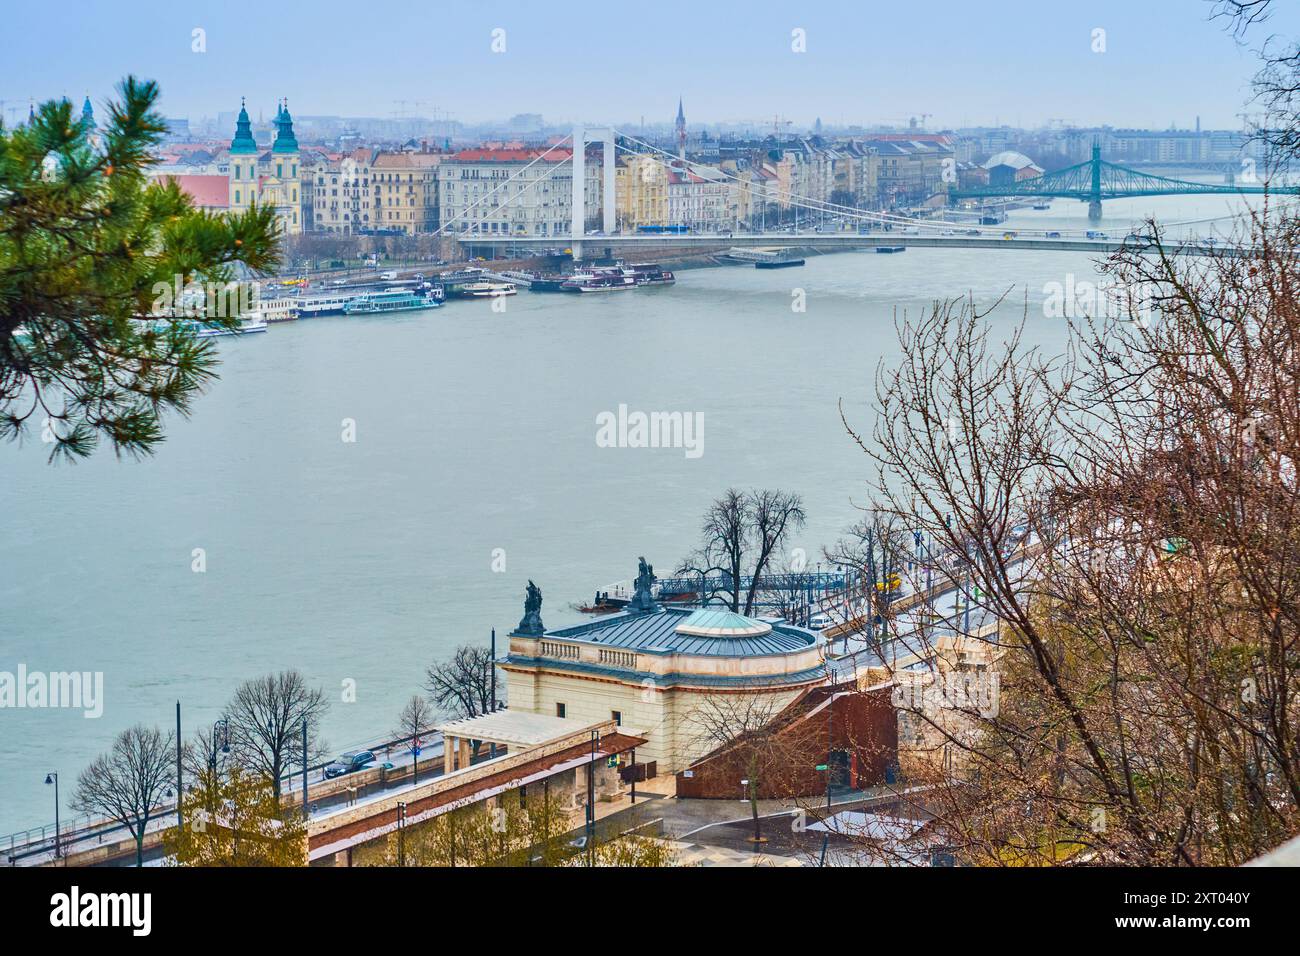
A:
(548, 283)
(201, 330)
(309, 307)
(606, 282)
(397, 300)
(647, 273)
(487, 290)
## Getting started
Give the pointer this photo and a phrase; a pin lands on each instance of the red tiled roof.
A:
(509, 155)
(208, 192)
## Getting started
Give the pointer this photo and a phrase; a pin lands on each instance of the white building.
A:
(496, 192)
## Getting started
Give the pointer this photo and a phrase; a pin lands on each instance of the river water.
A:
(475, 430)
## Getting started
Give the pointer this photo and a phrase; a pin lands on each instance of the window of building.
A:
(559, 709)
(618, 717)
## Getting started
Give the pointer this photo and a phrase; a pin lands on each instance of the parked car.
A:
(349, 762)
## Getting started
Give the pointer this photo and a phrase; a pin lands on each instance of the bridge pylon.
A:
(581, 137)
(1094, 198)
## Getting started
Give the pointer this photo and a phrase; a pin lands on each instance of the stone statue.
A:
(531, 623)
(643, 600)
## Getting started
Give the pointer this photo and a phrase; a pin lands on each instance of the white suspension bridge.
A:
(470, 227)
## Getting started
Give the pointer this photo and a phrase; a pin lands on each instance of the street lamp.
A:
(401, 834)
(53, 778)
(224, 725)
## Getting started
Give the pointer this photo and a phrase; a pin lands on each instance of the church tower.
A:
(243, 164)
(284, 167)
(88, 122)
(681, 133)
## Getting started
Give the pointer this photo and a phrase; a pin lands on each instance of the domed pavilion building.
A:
(654, 668)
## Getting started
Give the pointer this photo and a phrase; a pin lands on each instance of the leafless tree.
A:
(743, 533)
(130, 781)
(414, 722)
(1129, 518)
(464, 685)
(266, 718)
(1277, 84)
(874, 553)
(744, 727)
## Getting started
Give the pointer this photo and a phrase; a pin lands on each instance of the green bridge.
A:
(1097, 179)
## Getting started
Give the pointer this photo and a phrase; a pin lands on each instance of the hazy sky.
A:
(963, 61)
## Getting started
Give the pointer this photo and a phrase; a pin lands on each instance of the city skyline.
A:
(865, 67)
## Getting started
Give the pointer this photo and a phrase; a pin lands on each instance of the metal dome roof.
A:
(711, 622)
(1009, 157)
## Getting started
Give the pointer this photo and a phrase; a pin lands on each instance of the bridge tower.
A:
(581, 137)
(1094, 197)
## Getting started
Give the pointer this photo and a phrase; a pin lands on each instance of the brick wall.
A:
(864, 733)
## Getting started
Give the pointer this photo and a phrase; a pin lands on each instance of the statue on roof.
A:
(643, 600)
(531, 622)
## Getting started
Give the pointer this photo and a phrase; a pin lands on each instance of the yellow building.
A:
(405, 191)
(641, 190)
(269, 178)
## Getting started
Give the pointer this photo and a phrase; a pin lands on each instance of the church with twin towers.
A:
(270, 177)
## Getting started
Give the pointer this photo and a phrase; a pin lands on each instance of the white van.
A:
(388, 275)
(819, 622)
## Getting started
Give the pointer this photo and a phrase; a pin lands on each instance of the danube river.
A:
(475, 430)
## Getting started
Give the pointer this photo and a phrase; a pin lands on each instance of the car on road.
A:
(1052, 235)
(819, 622)
(388, 275)
(340, 282)
(350, 762)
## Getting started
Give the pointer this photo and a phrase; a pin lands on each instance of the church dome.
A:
(711, 622)
(243, 141)
(285, 141)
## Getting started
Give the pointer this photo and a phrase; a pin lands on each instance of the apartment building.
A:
(700, 197)
(514, 191)
(641, 188)
(342, 194)
(404, 191)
